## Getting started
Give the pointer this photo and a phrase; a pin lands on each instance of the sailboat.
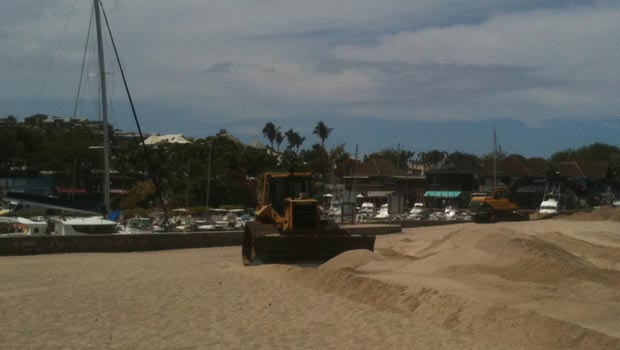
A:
(94, 225)
(54, 203)
(98, 8)
(75, 206)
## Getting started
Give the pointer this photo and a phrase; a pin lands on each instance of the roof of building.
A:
(538, 165)
(173, 138)
(571, 170)
(378, 194)
(376, 166)
(514, 165)
(596, 170)
(457, 165)
(229, 137)
(258, 145)
(580, 170)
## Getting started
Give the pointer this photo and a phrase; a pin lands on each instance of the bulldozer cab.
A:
(501, 193)
(287, 186)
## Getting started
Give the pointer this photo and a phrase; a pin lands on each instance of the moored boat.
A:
(138, 226)
(18, 226)
(94, 225)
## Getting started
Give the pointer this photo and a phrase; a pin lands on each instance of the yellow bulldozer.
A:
(498, 206)
(288, 226)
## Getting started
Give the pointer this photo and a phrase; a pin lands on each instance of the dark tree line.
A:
(68, 154)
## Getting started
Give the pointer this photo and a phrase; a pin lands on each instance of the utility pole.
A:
(494, 159)
(407, 201)
(398, 156)
(187, 186)
(208, 179)
(352, 173)
(104, 112)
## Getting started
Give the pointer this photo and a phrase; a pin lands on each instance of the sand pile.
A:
(515, 285)
(549, 284)
(520, 257)
(600, 214)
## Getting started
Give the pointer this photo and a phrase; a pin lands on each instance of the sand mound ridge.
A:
(599, 214)
(507, 264)
(530, 258)
(351, 260)
(499, 326)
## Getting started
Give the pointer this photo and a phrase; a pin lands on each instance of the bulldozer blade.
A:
(491, 217)
(262, 244)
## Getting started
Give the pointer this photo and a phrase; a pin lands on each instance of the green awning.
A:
(442, 194)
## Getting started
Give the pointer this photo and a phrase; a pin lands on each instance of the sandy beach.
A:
(552, 284)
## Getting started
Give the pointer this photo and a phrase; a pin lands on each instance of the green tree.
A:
(295, 140)
(488, 158)
(430, 158)
(291, 161)
(322, 131)
(596, 152)
(317, 159)
(340, 160)
(464, 156)
(279, 139)
(270, 131)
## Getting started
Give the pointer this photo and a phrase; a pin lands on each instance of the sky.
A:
(422, 75)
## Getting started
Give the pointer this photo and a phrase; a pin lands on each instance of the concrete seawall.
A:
(116, 243)
(372, 229)
(29, 245)
(410, 223)
(427, 223)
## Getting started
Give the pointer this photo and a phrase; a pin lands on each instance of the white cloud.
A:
(393, 59)
(575, 49)
(564, 38)
(298, 84)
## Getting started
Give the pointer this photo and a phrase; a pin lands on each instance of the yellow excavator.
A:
(498, 206)
(288, 226)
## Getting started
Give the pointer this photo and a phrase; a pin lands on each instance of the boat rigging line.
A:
(158, 186)
(53, 61)
(77, 98)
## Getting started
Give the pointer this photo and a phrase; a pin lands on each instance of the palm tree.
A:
(294, 139)
(322, 131)
(279, 139)
(270, 131)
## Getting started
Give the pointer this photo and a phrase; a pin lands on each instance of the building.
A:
(452, 181)
(35, 120)
(377, 178)
(8, 121)
(595, 179)
(36, 185)
(165, 139)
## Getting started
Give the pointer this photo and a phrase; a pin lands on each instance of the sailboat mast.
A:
(104, 112)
